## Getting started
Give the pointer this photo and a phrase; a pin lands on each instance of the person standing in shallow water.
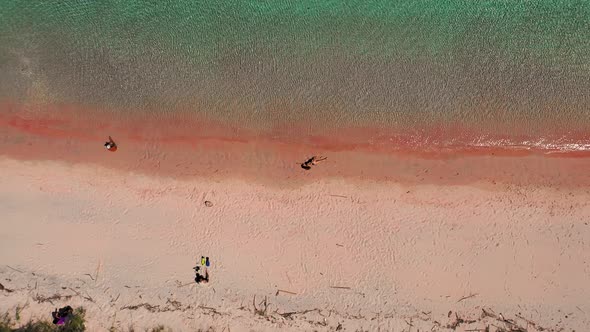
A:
(110, 145)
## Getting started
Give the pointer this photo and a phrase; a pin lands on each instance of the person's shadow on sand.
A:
(312, 162)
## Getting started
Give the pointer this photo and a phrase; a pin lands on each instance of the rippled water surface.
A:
(494, 66)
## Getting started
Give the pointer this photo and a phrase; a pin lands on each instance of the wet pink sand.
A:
(192, 148)
(405, 234)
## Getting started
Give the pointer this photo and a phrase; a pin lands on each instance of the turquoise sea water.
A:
(514, 64)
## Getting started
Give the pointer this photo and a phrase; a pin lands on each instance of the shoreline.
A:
(165, 150)
(62, 121)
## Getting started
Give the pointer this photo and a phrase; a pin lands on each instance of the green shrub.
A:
(39, 326)
(76, 324)
(5, 323)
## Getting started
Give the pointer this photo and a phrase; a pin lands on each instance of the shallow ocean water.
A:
(495, 67)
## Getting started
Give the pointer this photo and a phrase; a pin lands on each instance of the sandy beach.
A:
(454, 197)
(365, 241)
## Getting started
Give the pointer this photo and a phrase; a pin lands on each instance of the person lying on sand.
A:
(312, 162)
(110, 145)
(201, 278)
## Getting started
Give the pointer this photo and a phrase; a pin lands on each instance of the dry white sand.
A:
(123, 246)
